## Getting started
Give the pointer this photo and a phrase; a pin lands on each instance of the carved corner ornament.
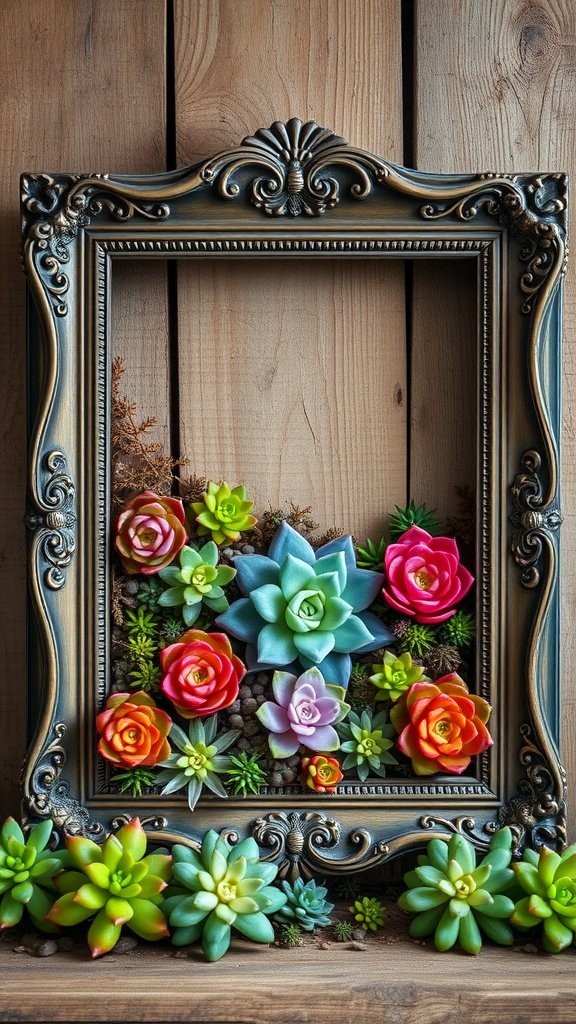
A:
(53, 521)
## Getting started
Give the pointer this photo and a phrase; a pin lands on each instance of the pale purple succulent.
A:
(305, 711)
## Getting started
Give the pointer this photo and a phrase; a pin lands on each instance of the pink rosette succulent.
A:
(150, 533)
(424, 577)
(202, 674)
(305, 711)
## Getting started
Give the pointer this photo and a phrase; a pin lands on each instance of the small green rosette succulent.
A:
(196, 581)
(306, 904)
(367, 743)
(549, 879)
(221, 888)
(118, 884)
(26, 872)
(223, 512)
(456, 900)
(395, 674)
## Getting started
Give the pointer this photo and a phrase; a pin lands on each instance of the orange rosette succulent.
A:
(201, 673)
(321, 773)
(149, 533)
(133, 731)
(441, 725)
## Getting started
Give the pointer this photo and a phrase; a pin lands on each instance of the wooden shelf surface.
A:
(393, 982)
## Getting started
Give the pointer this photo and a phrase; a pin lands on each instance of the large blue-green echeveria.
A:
(301, 607)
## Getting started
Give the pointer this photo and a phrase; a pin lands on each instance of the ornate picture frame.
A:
(297, 191)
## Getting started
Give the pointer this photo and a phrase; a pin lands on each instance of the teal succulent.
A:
(305, 607)
(367, 742)
(26, 871)
(198, 761)
(222, 888)
(306, 904)
(549, 879)
(457, 900)
(412, 515)
(196, 581)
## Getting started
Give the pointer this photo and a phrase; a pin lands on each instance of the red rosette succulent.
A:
(441, 725)
(201, 673)
(149, 533)
(321, 773)
(133, 731)
(424, 577)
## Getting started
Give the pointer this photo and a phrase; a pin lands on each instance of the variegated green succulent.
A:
(221, 888)
(26, 871)
(117, 883)
(455, 899)
(196, 581)
(549, 879)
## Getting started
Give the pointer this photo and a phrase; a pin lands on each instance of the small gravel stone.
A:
(236, 722)
(249, 706)
(276, 779)
(359, 947)
(131, 587)
(126, 944)
(260, 699)
(257, 689)
(180, 954)
(20, 949)
(247, 549)
(359, 934)
(32, 939)
(47, 948)
(234, 708)
(228, 552)
(245, 692)
(244, 744)
(251, 728)
(324, 945)
(529, 948)
(65, 943)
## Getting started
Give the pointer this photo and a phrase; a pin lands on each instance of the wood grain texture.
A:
(298, 372)
(81, 88)
(494, 90)
(393, 983)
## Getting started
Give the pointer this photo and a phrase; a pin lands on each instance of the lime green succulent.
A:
(455, 899)
(368, 913)
(26, 871)
(395, 674)
(223, 513)
(367, 742)
(417, 639)
(222, 888)
(196, 581)
(245, 774)
(117, 883)
(549, 879)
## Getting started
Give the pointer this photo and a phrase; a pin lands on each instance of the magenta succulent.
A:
(305, 712)
(424, 577)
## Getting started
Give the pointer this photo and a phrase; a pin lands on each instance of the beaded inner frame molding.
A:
(298, 191)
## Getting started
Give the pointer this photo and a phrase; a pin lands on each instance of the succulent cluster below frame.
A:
(251, 654)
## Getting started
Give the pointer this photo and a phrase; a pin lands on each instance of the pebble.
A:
(234, 708)
(47, 948)
(247, 549)
(249, 706)
(257, 689)
(251, 729)
(359, 947)
(180, 954)
(236, 722)
(324, 945)
(131, 586)
(359, 934)
(32, 939)
(529, 948)
(20, 949)
(125, 944)
(276, 779)
(245, 692)
(65, 943)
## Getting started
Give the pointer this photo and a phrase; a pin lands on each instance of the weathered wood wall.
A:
(128, 85)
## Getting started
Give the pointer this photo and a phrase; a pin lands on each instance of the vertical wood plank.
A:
(296, 372)
(81, 89)
(495, 91)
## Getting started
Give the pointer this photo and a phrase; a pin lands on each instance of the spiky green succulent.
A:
(342, 931)
(395, 674)
(290, 935)
(116, 884)
(221, 888)
(367, 743)
(457, 900)
(141, 648)
(198, 760)
(134, 781)
(148, 593)
(245, 774)
(372, 556)
(549, 879)
(412, 515)
(140, 623)
(197, 580)
(223, 513)
(460, 630)
(170, 629)
(417, 639)
(145, 676)
(26, 872)
(306, 904)
(368, 913)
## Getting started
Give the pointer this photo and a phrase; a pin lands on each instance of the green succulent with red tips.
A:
(549, 879)
(116, 884)
(26, 872)
(223, 513)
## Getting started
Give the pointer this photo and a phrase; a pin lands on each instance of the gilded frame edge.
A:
(57, 213)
